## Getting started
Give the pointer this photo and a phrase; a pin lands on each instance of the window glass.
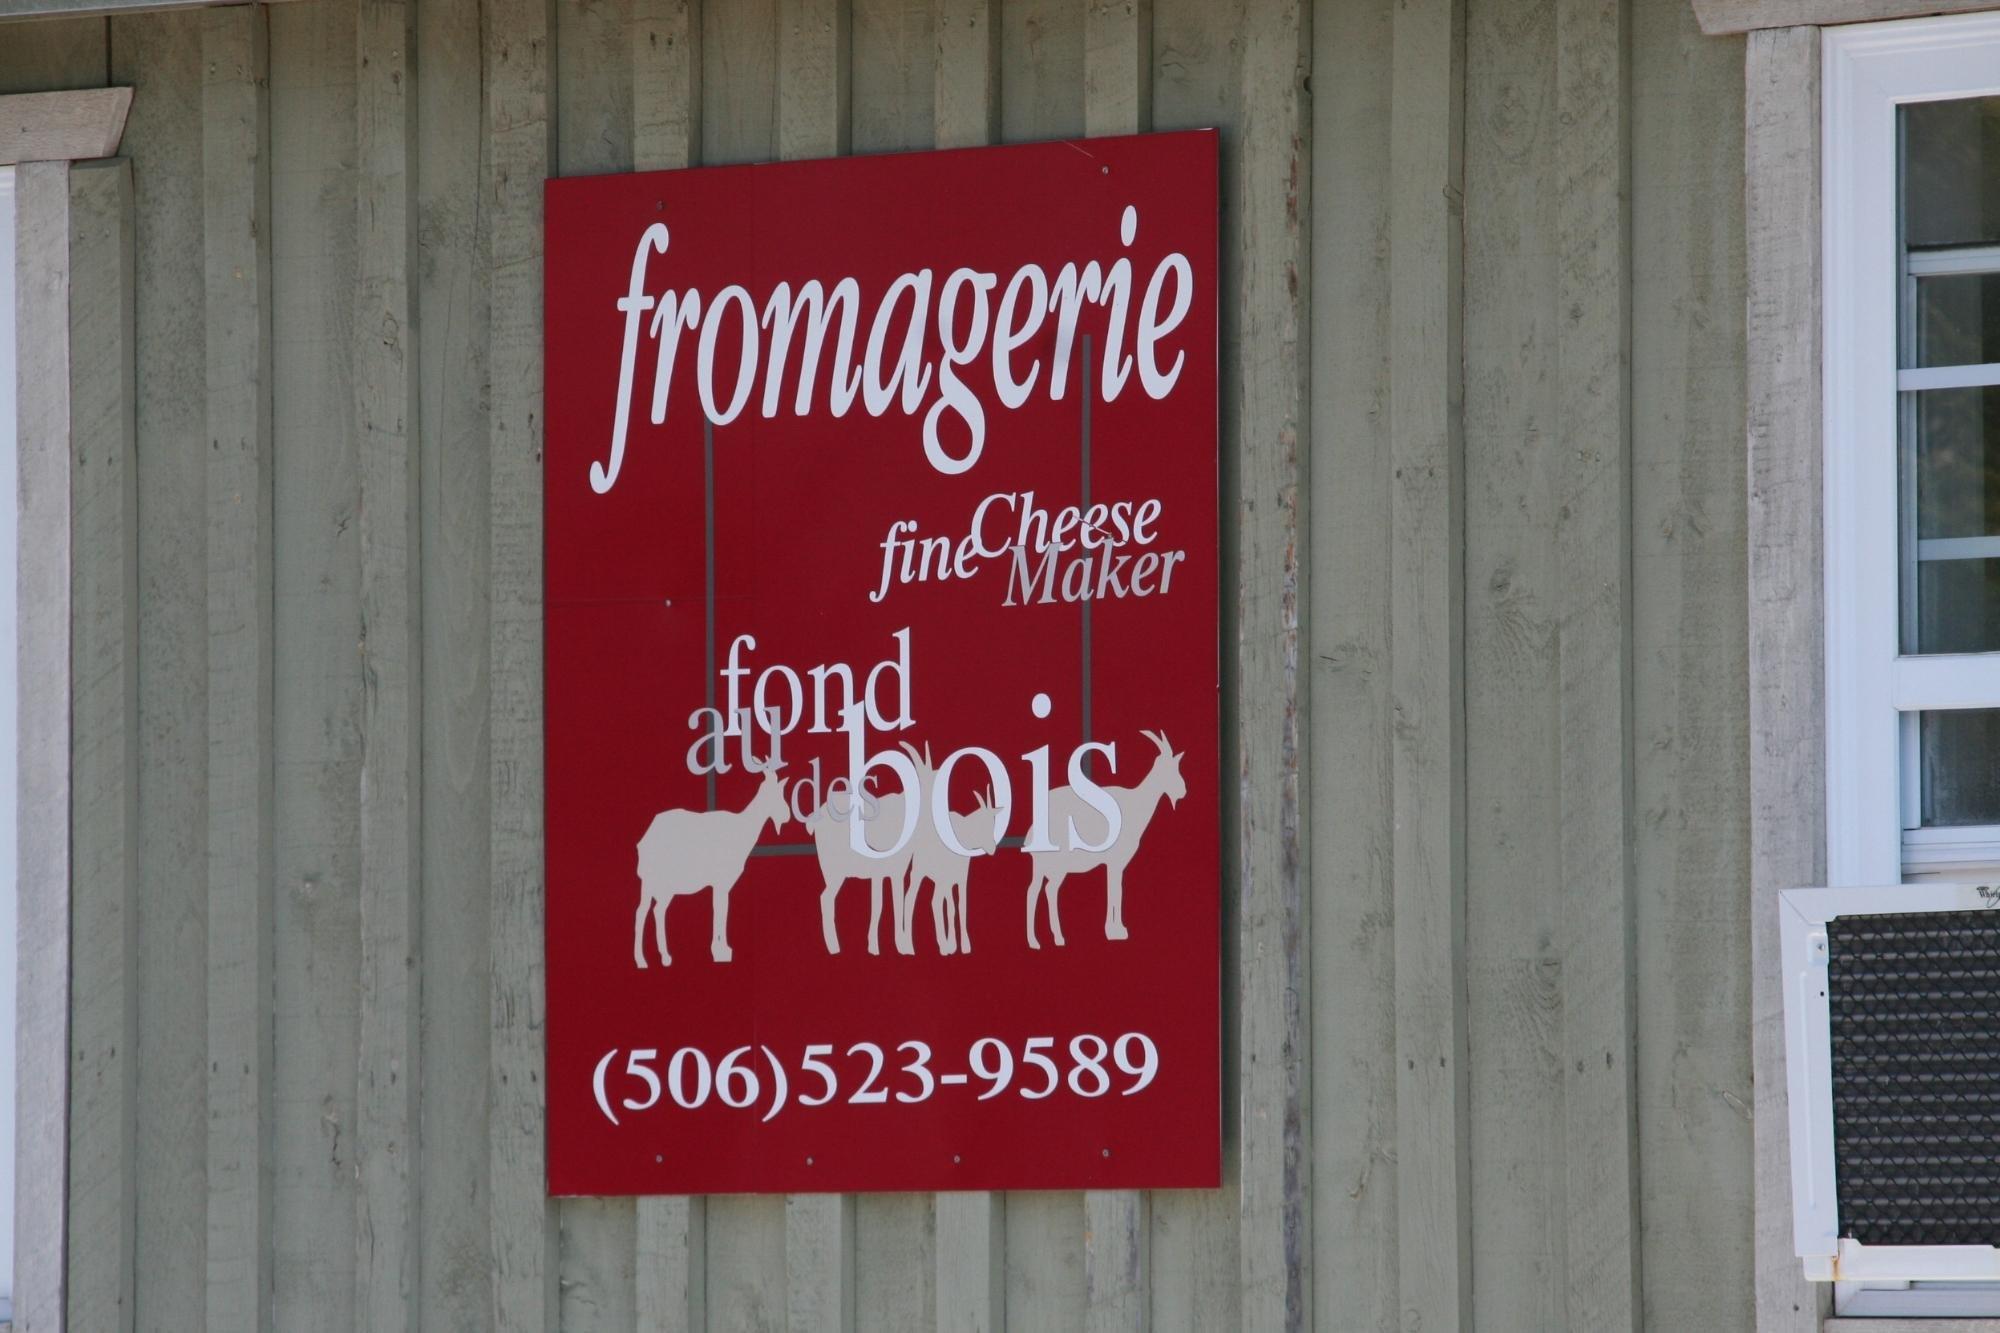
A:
(1958, 319)
(1961, 767)
(1951, 186)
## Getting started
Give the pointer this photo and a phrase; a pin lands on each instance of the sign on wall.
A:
(883, 794)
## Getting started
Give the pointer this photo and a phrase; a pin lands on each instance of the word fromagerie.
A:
(882, 752)
(920, 327)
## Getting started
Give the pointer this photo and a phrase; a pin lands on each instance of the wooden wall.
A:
(1486, 958)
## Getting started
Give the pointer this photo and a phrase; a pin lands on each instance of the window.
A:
(1911, 295)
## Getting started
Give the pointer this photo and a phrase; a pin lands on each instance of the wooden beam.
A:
(1427, 655)
(1731, 16)
(520, 152)
(1781, 164)
(385, 410)
(62, 127)
(237, 231)
(1268, 166)
(41, 1140)
(104, 751)
(1594, 672)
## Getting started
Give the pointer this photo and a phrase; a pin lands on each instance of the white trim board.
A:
(29, 9)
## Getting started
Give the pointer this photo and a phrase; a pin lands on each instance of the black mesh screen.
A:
(1915, 1002)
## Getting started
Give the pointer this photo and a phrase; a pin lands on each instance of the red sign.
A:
(883, 796)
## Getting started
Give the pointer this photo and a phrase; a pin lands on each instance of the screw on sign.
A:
(881, 551)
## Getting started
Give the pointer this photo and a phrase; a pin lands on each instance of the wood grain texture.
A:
(455, 1238)
(1427, 502)
(1781, 161)
(38, 9)
(965, 96)
(666, 84)
(819, 1263)
(53, 55)
(893, 76)
(42, 929)
(386, 337)
(104, 751)
(1353, 994)
(1117, 1278)
(1593, 650)
(814, 78)
(670, 1234)
(1269, 190)
(1117, 66)
(520, 149)
(62, 127)
(1726, 16)
(317, 649)
(241, 749)
(1690, 692)
(160, 56)
(971, 1250)
(1041, 69)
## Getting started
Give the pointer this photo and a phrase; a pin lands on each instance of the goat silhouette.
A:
(686, 851)
(839, 862)
(931, 859)
(1135, 810)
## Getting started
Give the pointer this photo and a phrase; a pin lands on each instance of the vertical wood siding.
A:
(1486, 964)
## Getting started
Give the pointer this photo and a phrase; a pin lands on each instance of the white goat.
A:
(686, 851)
(1135, 810)
(839, 862)
(947, 871)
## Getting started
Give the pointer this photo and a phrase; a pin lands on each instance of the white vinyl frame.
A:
(1869, 70)
(1873, 690)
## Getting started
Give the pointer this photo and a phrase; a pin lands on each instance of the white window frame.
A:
(1873, 691)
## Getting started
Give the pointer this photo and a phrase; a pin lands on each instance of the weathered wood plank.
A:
(1044, 1254)
(1117, 66)
(1593, 650)
(1514, 596)
(385, 410)
(894, 76)
(519, 154)
(971, 1256)
(1270, 193)
(819, 1263)
(1690, 678)
(1117, 1256)
(160, 56)
(598, 1249)
(42, 791)
(1194, 1246)
(1725, 16)
(1427, 503)
(1781, 159)
(65, 126)
(739, 82)
(965, 94)
(814, 77)
(670, 1234)
(455, 1266)
(104, 751)
(317, 704)
(1041, 69)
(237, 231)
(1353, 995)
(666, 84)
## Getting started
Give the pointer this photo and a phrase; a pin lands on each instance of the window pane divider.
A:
(1959, 548)
(1942, 681)
(1962, 259)
(1948, 377)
